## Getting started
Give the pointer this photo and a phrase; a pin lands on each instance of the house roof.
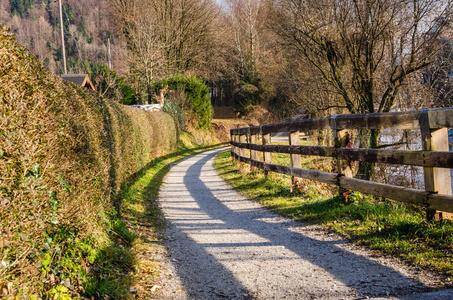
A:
(79, 79)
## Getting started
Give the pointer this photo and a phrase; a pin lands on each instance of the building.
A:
(79, 79)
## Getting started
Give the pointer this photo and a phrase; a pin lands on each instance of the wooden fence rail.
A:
(434, 157)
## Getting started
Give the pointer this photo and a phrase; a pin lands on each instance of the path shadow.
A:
(112, 272)
(340, 263)
(202, 276)
(131, 179)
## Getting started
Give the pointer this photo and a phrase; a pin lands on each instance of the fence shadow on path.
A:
(366, 277)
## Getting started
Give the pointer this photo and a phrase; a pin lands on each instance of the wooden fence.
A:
(435, 158)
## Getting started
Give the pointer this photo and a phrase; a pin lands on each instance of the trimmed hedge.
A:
(65, 153)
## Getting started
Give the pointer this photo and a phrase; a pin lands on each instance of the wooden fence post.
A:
(238, 139)
(437, 180)
(243, 139)
(253, 154)
(341, 139)
(267, 156)
(294, 140)
(233, 138)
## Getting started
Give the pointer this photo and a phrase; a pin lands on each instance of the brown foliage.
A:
(64, 155)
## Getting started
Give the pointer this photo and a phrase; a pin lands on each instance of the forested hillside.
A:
(255, 54)
(87, 27)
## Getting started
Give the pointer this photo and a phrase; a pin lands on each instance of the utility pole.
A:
(109, 58)
(62, 38)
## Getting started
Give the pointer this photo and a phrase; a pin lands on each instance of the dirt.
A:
(224, 246)
(222, 127)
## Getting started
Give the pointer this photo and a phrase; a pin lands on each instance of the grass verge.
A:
(384, 225)
(128, 268)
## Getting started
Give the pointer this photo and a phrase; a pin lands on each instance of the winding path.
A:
(224, 246)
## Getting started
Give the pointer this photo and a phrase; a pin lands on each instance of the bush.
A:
(197, 93)
(65, 154)
(110, 85)
(174, 110)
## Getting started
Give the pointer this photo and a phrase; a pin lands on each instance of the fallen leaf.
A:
(154, 288)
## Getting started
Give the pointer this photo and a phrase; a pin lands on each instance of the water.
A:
(404, 175)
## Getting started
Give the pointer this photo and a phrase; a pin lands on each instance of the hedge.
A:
(65, 154)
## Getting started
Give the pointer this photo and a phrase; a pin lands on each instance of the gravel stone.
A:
(224, 246)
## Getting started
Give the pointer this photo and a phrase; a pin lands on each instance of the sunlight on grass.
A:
(144, 221)
(388, 226)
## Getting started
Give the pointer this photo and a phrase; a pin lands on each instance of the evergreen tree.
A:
(20, 7)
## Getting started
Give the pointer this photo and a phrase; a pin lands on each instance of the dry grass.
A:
(222, 127)
(65, 154)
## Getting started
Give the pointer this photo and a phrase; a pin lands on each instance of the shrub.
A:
(65, 153)
(174, 110)
(197, 93)
(110, 85)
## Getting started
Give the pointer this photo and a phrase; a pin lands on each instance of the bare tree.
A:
(186, 32)
(166, 37)
(439, 76)
(366, 50)
(252, 59)
(247, 23)
(143, 42)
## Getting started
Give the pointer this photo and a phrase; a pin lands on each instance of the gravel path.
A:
(223, 246)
